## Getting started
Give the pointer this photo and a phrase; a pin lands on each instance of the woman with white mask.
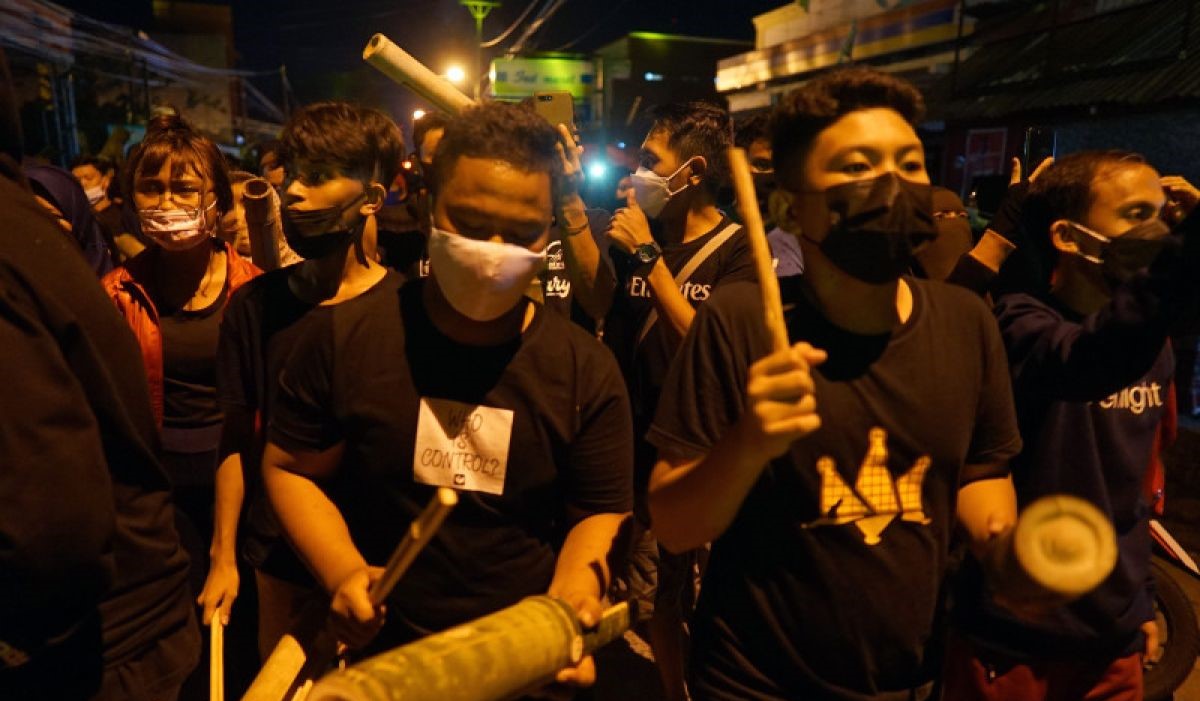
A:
(173, 296)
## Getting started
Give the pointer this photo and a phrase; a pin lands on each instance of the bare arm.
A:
(319, 533)
(582, 570)
(693, 501)
(581, 576)
(986, 509)
(673, 308)
(221, 585)
(310, 519)
(584, 264)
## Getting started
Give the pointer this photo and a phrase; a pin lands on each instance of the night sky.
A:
(321, 42)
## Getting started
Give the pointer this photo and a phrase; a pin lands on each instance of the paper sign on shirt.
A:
(463, 446)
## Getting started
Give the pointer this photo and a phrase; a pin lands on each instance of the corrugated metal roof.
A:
(1136, 56)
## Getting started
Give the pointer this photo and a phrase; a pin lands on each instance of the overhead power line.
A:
(536, 24)
(512, 27)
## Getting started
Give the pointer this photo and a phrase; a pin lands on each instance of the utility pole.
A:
(479, 9)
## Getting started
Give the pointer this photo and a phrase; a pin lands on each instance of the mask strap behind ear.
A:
(679, 170)
(1095, 236)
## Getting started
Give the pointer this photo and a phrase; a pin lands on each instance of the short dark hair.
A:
(505, 132)
(806, 111)
(697, 129)
(752, 129)
(102, 165)
(272, 146)
(360, 142)
(171, 136)
(1064, 189)
(426, 124)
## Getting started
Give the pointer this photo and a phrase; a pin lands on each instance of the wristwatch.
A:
(648, 252)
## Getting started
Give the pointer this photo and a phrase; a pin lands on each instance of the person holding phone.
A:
(670, 249)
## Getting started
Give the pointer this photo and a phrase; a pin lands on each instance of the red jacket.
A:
(138, 309)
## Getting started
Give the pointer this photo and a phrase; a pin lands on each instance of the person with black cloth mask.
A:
(1091, 365)
(830, 475)
(754, 136)
(671, 248)
(338, 158)
(94, 600)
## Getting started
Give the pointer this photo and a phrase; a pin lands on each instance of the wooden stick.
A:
(400, 66)
(743, 187)
(216, 659)
(303, 656)
(420, 532)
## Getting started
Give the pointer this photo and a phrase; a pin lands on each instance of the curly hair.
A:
(359, 142)
(505, 132)
(811, 108)
(170, 136)
(698, 129)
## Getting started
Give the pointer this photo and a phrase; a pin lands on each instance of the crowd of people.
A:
(601, 388)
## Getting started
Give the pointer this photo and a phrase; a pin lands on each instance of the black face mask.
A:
(875, 225)
(1135, 250)
(764, 185)
(315, 233)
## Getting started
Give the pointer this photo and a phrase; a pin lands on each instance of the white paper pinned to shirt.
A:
(462, 446)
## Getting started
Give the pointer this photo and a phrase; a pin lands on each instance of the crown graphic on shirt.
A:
(876, 499)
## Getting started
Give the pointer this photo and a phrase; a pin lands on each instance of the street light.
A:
(479, 9)
(417, 114)
(456, 74)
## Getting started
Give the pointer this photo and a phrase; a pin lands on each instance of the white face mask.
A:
(177, 229)
(652, 191)
(482, 280)
(94, 194)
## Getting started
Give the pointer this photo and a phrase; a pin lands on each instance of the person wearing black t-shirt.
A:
(338, 157)
(1091, 366)
(671, 248)
(830, 475)
(457, 380)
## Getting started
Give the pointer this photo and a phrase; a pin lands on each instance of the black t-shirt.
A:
(109, 220)
(541, 422)
(827, 582)
(189, 344)
(644, 365)
(262, 325)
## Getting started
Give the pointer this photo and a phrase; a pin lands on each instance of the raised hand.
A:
(781, 404)
(630, 228)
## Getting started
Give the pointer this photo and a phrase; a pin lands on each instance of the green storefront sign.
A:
(522, 77)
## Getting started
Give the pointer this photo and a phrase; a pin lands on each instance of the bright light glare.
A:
(417, 114)
(598, 170)
(455, 74)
